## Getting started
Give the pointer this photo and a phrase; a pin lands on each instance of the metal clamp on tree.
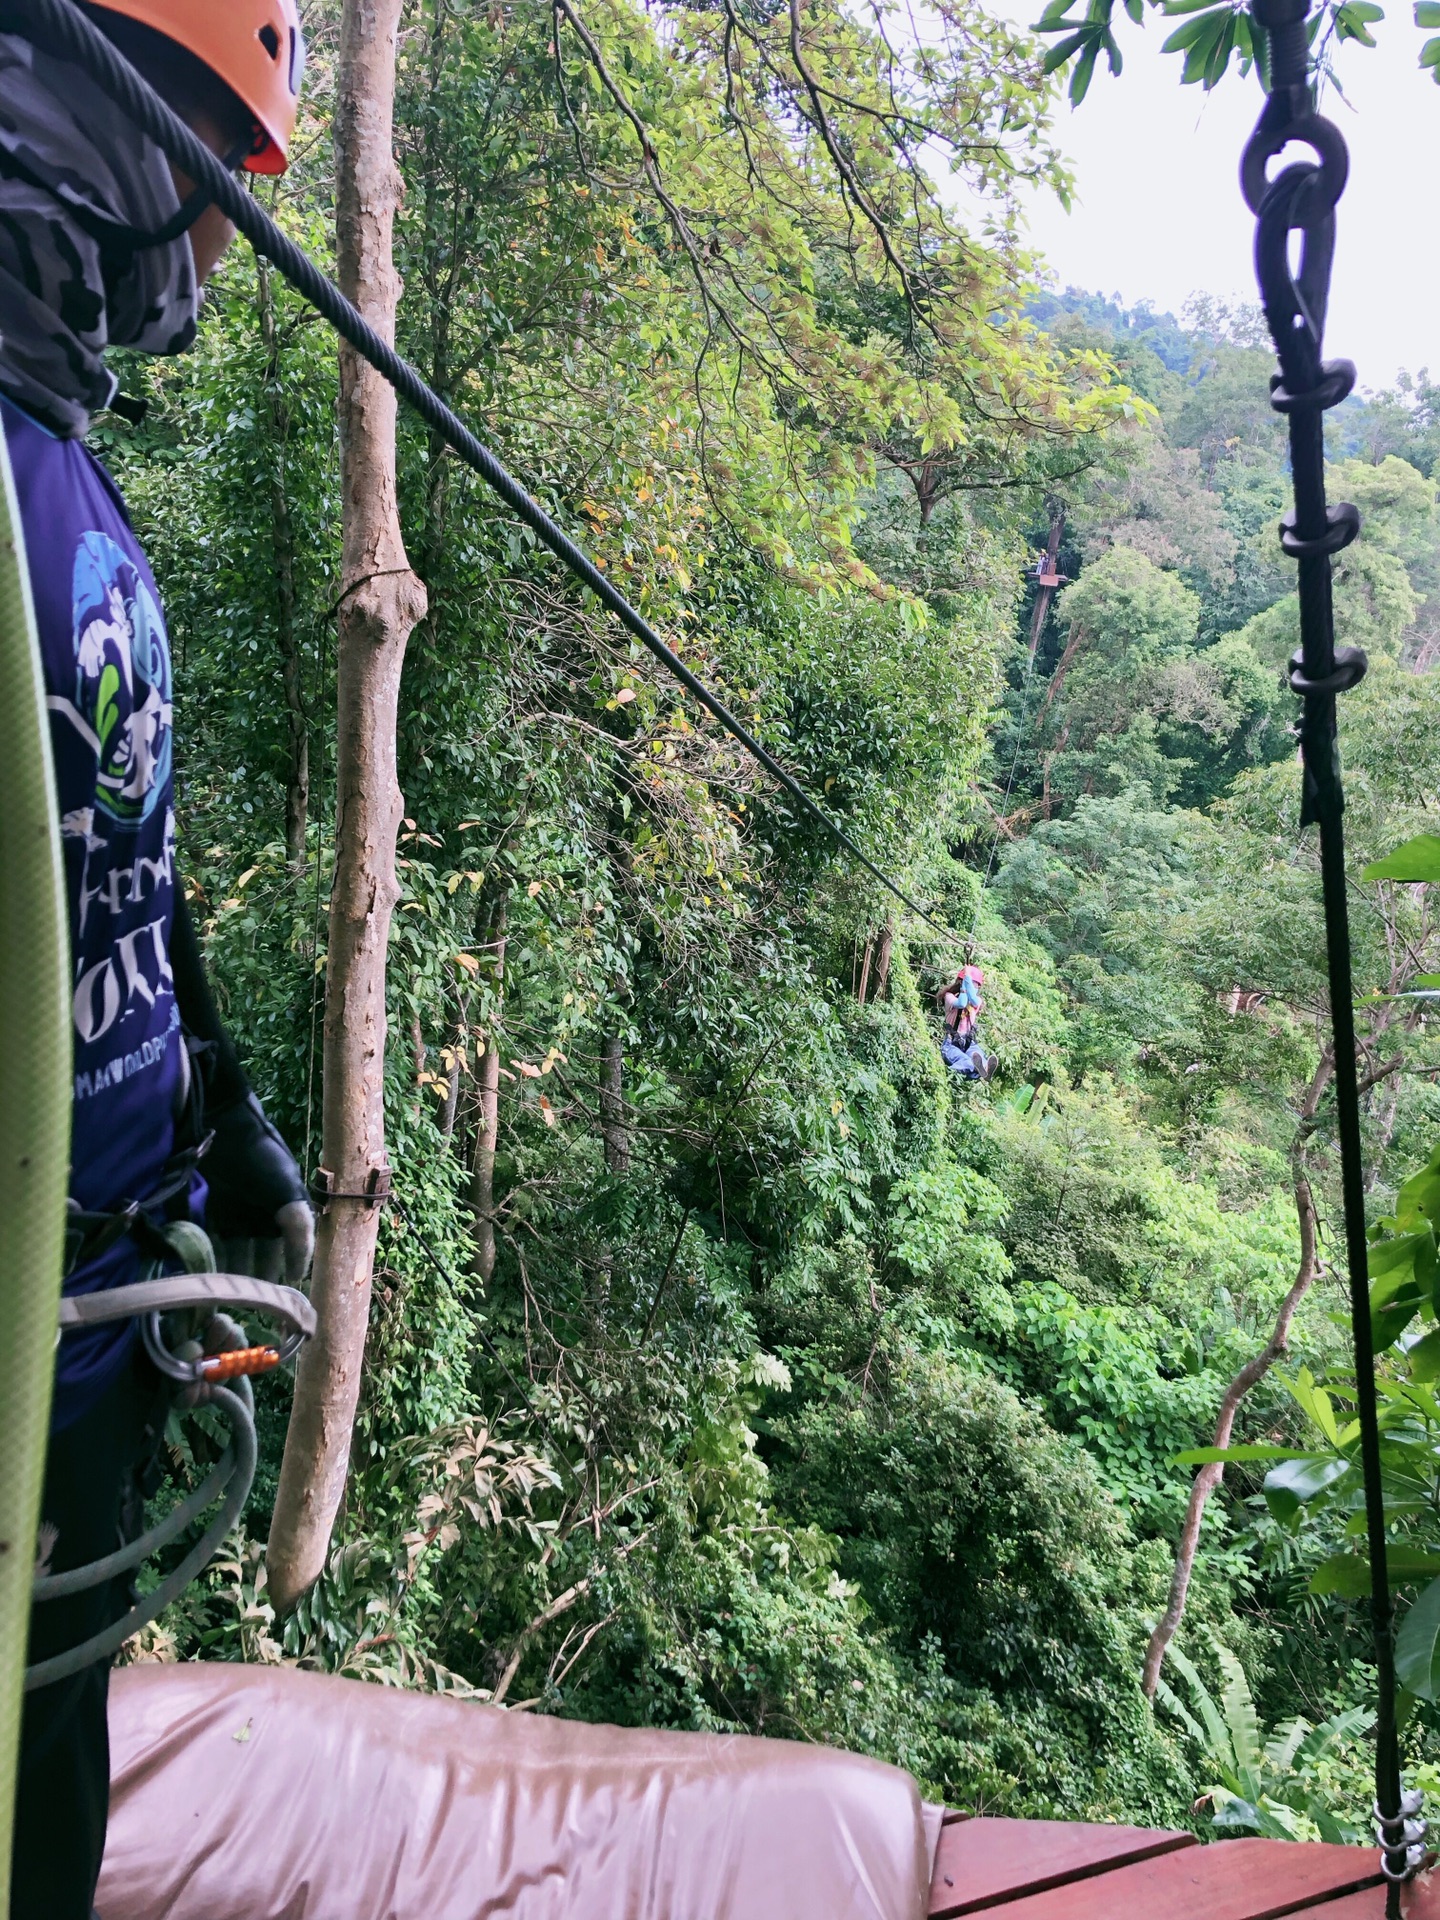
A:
(1301, 199)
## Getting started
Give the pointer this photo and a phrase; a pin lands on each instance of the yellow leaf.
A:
(624, 696)
(467, 961)
(245, 878)
(548, 1111)
(528, 1068)
(534, 888)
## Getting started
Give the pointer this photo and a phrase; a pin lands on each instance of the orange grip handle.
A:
(243, 1360)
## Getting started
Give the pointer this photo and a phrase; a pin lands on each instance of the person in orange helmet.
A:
(103, 244)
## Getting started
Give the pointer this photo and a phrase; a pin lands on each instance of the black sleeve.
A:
(225, 1082)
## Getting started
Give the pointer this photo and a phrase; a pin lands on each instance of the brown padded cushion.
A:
(262, 1793)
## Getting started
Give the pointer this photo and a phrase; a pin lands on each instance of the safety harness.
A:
(182, 1318)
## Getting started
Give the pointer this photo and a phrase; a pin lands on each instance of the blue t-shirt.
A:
(107, 680)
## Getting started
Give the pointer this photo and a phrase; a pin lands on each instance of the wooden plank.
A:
(1420, 1901)
(1228, 1880)
(984, 1862)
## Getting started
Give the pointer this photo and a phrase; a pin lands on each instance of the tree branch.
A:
(1209, 1476)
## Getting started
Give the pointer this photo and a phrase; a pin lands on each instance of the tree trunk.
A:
(612, 1104)
(487, 1131)
(1208, 1477)
(1044, 595)
(276, 411)
(882, 964)
(452, 1086)
(863, 994)
(381, 605)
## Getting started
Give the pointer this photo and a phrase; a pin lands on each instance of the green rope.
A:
(34, 1114)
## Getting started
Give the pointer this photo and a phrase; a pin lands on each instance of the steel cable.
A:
(1301, 200)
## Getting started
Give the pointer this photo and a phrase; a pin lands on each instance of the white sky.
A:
(1158, 213)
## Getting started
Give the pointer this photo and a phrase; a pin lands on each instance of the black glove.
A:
(259, 1215)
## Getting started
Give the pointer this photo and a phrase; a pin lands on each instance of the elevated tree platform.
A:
(1056, 1870)
(263, 1793)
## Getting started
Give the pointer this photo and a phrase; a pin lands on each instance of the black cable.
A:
(60, 27)
(1301, 200)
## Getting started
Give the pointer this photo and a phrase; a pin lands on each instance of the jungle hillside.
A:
(729, 1363)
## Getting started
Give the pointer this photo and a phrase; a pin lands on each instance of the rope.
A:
(1301, 199)
(234, 1472)
(62, 28)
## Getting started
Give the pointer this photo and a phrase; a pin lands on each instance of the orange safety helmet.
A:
(256, 47)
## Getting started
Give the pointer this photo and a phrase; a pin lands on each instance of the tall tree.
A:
(381, 603)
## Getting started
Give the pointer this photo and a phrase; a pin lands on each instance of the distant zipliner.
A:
(962, 1003)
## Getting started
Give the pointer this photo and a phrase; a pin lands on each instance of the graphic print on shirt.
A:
(122, 710)
(122, 680)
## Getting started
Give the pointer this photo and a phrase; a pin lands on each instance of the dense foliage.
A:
(766, 1378)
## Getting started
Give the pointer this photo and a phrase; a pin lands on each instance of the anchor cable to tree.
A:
(1301, 199)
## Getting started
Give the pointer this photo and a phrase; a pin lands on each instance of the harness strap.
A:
(202, 1376)
(88, 1235)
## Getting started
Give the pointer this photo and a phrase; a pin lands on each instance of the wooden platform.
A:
(1056, 1870)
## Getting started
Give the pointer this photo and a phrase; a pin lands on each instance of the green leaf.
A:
(1430, 56)
(1204, 1456)
(1240, 1718)
(1418, 1202)
(1217, 1734)
(1202, 47)
(1348, 1574)
(1316, 1402)
(1053, 18)
(1084, 69)
(1186, 36)
(1220, 58)
(1417, 859)
(1423, 1359)
(1427, 13)
(1412, 1563)
(1062, 50)
(1417, 1646)
(1295, 1483)
(1349, 27)
(1404, 1269)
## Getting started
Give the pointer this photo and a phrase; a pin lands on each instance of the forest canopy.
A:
(731, 1364)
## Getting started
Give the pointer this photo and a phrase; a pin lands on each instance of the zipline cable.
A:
(64, 30)
(1025, 691)
(1301, 200)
